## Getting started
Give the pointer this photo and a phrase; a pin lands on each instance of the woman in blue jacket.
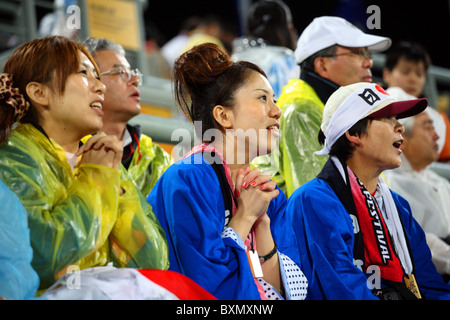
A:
(226, 224)
(357, 238)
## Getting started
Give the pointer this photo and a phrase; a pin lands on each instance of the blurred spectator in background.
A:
(172, 48)
(157, 64)
(209, 29)
(270, 42)
(55, 23)
(427, 192)
(405, 71)
(406, 67)
(228, 34)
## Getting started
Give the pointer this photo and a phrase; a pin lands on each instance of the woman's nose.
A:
(99, 86)
(275, 112)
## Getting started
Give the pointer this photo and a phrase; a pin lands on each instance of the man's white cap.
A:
(324, 32)
(349, 104)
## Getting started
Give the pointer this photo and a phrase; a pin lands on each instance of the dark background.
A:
(426, 22)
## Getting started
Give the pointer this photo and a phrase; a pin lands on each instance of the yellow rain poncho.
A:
(77, 217)
(147, 169)
(293, 163)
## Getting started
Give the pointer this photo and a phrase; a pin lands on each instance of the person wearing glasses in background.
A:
(144, 160)
(331, 53)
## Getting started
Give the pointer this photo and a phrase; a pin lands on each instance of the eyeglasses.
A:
(126, 74)
(363, 54)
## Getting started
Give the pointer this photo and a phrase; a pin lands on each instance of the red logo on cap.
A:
(380, 89)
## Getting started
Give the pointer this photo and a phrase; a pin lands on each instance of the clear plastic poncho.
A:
(148, 166)
(277, 62)
(77, 217)
(294, 163)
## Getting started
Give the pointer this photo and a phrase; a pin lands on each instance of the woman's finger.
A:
(268, 186)
(251, 176)
(260, 180)
(239, 180)
(90, 143)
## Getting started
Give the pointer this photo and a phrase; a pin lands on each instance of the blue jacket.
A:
(325, 237)
(18, 280)
(189, 204)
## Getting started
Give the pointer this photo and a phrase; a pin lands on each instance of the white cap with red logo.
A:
(349, 104)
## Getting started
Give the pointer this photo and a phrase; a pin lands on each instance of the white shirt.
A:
(72, 159)
(428, 195)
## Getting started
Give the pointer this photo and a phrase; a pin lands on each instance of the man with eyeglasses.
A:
(331, 53)
(144, 160)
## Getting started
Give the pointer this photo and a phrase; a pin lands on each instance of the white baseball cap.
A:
(324, 32)
(349, 104)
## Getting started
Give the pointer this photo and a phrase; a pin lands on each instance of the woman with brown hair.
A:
(226, 224)
(82, 210)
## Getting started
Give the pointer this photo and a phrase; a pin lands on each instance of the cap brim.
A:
(372, 42)
(401, 109)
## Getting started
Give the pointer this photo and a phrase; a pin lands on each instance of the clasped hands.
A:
(102, 149)
(254, 191)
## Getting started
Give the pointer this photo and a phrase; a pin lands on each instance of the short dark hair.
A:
(343, 148)
(408, 50)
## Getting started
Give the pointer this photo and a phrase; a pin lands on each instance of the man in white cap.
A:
(357, 238)
(331, 53)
